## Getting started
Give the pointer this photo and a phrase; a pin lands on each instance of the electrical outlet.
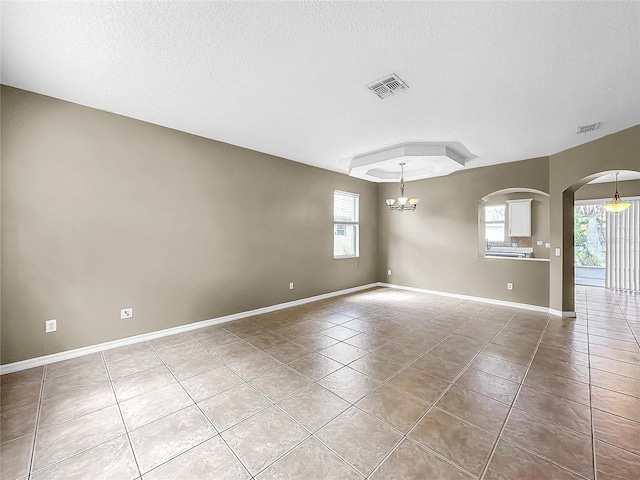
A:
(539, 242)
(509, 286)
(547, 245)
(291, 286)
(388, 272)
(557, 252)
(126, 313)
(50, 326)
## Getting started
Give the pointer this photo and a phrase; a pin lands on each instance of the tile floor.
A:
(382, 384)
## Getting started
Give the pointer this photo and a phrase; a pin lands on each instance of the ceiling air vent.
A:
(587, 128)
(388, 86)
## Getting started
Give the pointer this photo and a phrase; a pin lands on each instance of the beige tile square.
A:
(74, 365)
(15, 457)
(235, 351)
(563, 446)
(411, 462)
(510, 462)
(489, 385)
(375, 366)
(259, 430)
(181, 352)
(618, 383)
(126, 351)
(22, 377)
(159, 441)
(280, 382)
(368, 341)
(146, 408)
(402, 354)
(194, 365)
(18, 422)
(454, 439)
(316, 341)
(204, 332)
(343, 353)
(211, 459)
(439, 366)
(66, 439)
(76, 404)
(132, 365)
(617, 431)
(510, 354)
(481, 411)
(617, 403)
(499, 367)
(310, 461)
(314, 406)
(349, 384)
(393, 407)
(614, 366)
(210, 383)
(315, 366)
(215, 341)
(339, 332)
(560, 386)
(143, 382)
(112, 460)
(288, 352)
(419, 384)
(255, 366)
(359, 439)
(170, 341)
(613, 462)
(14, 397)
(572, 371)
(267, 340)
(65, 384)
(558, 410)
(232, 406)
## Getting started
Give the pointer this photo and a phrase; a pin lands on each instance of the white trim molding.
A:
(78, 352)
(523, 306)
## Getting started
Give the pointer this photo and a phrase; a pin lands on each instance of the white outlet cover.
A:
(547, 245)
(126, 313)
(539, 242)
(557, 252)
(509, 286)
(388, 272)
(50, 326)
(291, 286)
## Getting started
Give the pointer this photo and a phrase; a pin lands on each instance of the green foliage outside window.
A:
(590, 235)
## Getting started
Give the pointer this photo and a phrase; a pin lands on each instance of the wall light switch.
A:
(557, 252)
(539, 242)
(388, 272)
(126, 313)
(50, 326)
(291, 286)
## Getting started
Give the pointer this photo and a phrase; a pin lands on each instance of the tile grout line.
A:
(35, 427)
(515, 398)
(124, 424)
(593, 428)
(201, 412)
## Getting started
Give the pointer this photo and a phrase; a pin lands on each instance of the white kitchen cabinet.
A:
(519, 217)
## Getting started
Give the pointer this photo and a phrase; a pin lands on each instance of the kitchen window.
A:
(494, 216)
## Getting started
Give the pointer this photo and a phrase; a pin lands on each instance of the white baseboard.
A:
(78, 352)
(523, 306)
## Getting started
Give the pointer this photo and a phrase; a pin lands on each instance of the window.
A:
(494, 223)
(346, 240)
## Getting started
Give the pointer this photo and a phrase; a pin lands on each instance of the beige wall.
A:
(568, 171)
(436, 247)
(102, 212)
(599, 191)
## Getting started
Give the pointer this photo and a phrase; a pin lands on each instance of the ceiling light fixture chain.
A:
(616, 205)
(402, 203)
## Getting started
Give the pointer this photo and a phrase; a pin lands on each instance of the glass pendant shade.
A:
(402, 203)
(616, 205)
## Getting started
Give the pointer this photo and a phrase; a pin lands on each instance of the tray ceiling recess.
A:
(423, 160)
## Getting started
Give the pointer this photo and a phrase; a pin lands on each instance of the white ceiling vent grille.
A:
(587, 128)
(389, 85)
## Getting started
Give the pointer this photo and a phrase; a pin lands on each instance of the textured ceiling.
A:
(509, 80)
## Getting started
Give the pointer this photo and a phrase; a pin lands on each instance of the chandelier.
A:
(616, 205)
(402, 203)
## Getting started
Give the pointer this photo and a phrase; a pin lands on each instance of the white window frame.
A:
(355, 223)
(503, 222)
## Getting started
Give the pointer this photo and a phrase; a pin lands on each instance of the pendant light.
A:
(402, 203)
(616, 205)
